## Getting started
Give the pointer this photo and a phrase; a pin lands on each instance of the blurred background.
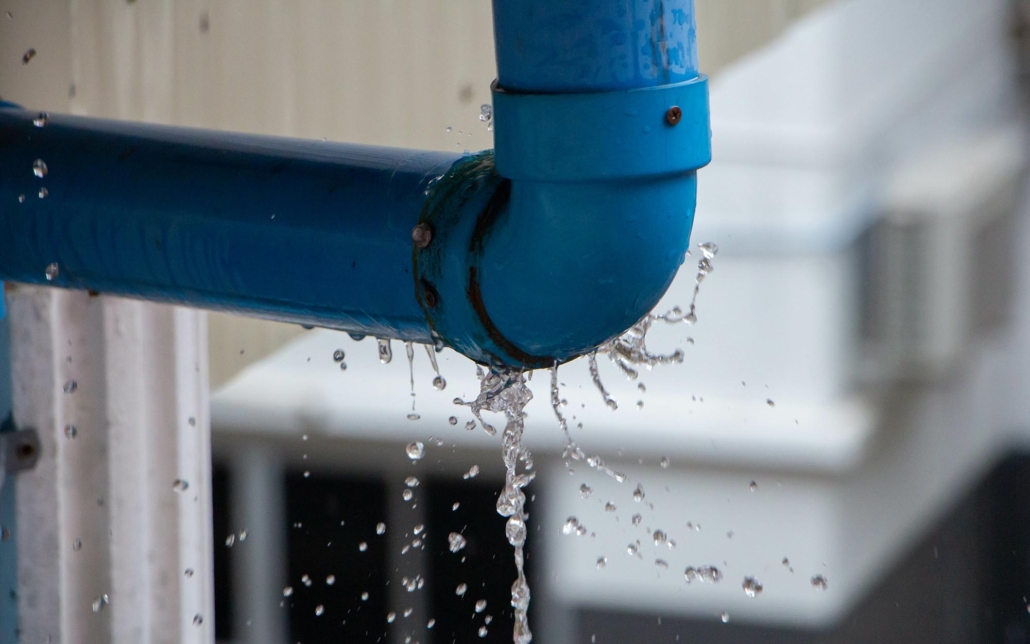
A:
(849, 427)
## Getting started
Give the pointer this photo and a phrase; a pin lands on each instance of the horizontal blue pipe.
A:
(300, 231)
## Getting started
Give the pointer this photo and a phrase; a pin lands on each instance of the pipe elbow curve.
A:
(572, 232)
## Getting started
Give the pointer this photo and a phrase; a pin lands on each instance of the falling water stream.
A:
(506, 391)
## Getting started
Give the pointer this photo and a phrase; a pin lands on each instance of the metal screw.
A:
(673, 116)
(422, 235)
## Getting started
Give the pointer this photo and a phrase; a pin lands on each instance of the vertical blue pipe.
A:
(594, 45)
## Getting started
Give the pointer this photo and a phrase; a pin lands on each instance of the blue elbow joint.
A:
(584, 217)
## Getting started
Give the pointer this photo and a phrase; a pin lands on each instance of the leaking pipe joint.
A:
(601, 122)
(563, 239)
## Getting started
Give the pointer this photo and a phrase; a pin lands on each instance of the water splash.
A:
(572, 451)
(506, 391)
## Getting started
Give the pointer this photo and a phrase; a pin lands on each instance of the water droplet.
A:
(515, 530)
(472, 473)
(636, 519)
(769, 401)
(470, 425)
(192, 421)
(585, 490)
(100, 602)
(70, 386)
(362, 547)
(819, 582)
(609, 507)
(41, 119)
(602, 562)
(753, 486)
(230, 540)
(339, 355)
(486, 113)
(659, 537)
(703, 574)
(417, 530)
(411, 481)
(330, 580)
(456, 542)
(439, 383)
(725, 617)
(415, 450)
(188, 573)
(640, 404)
(180, 485)
(483, 631)
(571, 526)
(385, 350)
(25, 58)
(453, 420)
(364, 596)
(52, 271)
(407, 495)
(39, 168)
(287, 591)
(708, 249)
(43, 192)
(638, 494)
(752, 587)
(319, 610)
(390, 617)
(786, 562)
(198, 619)
(460, 590)
(430, 624)
(77, 545)
(21, 198)
(381, 528)
(661, 563)
(70, 431)
(480, 605)
(631, 549)
(343, 366)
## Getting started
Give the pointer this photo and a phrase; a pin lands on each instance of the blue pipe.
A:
(300, 231)
(564, 237)
(601, 122)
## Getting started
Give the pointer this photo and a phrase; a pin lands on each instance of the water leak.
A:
(505, 391)
(385, 350)
(438, 381)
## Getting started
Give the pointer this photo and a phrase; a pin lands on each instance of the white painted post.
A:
(100, 514)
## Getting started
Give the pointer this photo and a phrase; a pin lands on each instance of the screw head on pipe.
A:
(422, 235)
(673, 116)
